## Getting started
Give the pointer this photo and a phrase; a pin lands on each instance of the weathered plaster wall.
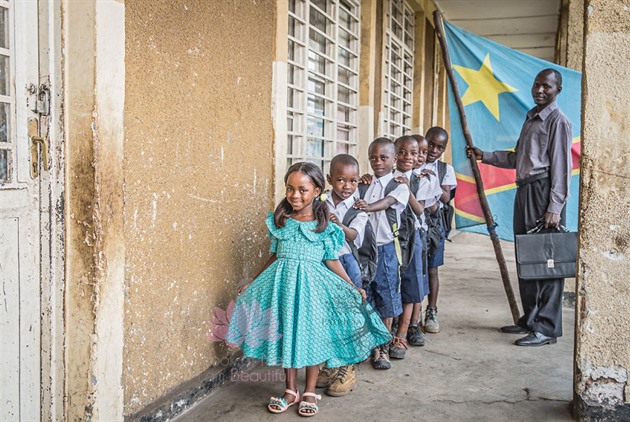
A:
(198, 178)
(602, 334)
(79, 67)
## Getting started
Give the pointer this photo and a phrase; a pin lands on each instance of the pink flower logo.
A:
(220, 323)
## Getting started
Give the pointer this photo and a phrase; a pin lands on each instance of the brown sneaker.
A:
(398, 348)
(343, 383)
(326, 376)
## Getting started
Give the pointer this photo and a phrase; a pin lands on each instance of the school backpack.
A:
(442, 218)
(366, 254)
(407, 231)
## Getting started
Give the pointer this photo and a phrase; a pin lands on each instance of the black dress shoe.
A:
(513, 329)
(535, 339)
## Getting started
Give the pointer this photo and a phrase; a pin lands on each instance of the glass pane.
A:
(316, 63)
(345, 76)
(343, 114)
(4, 27)
(315, 127)
(317, 41)
(344, 95)
(342, 148)
(343, 133)
(316, 86)
(319, 21)
(345, 19)
(291, 98)
(290, 123)
(4, 75)
(291, 50)
(4, 122)
(322, 5)
(345, 39)
(315, 105)
(314, 147)
(4, 165)
(345, 58)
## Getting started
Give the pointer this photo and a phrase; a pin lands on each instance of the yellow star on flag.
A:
(483, 86)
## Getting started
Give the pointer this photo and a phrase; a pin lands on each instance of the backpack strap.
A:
(362, 187)
(351, 214)
(393, 223)
(442, 167)
(414, 184)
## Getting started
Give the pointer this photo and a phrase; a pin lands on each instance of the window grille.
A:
(398, 75)
(323, 80)
(7, 143)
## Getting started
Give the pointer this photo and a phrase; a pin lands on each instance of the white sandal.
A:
(308, 409)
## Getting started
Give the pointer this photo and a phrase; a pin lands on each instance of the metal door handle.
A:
(36, 139)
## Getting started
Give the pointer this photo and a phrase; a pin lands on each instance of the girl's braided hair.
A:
(284, 209)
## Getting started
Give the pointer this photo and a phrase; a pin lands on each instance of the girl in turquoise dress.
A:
(303, 310)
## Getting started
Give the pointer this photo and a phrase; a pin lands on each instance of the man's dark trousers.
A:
(541, 299)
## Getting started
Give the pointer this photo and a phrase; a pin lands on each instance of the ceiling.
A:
(529, 26)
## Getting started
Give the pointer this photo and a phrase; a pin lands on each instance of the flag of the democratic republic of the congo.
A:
(495, 84)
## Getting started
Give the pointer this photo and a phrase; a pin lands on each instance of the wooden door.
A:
(20, 240)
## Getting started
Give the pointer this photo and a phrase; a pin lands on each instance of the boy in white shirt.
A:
(344, 178)
(437, 139)
(384, 201)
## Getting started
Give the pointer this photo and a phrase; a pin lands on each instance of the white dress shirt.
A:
(376, 191)
(358, 223)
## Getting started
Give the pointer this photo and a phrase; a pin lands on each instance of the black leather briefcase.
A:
(546, 255)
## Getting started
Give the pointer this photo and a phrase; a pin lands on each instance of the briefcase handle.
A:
(540, 224)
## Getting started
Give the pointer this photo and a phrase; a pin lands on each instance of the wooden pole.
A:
(496, 243)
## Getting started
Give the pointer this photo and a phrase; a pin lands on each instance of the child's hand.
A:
(361, 204)
(426, 173)
(366, 179)
(334, 219)
(363, 295)
(242, 289)
(402, 179)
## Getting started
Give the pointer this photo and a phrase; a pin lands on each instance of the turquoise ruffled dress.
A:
(299, 313)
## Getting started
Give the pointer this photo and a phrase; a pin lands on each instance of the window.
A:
(398, 75)
(6, 100)
(323, 80)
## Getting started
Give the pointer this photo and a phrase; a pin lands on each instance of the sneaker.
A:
(398, 348)
(343, 383)
(380, 357)
(415, 336)
(431, 324)
(326, 376)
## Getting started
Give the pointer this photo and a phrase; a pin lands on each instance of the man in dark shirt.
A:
(542, 159)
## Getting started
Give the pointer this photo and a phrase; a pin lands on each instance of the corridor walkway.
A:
(467, 372)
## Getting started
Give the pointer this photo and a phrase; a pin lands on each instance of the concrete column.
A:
(602, 352)
(575, 35)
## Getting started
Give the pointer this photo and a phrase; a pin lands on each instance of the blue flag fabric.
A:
(495, 84)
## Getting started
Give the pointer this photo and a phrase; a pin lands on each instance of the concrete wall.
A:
(198, 179)
(602, 354)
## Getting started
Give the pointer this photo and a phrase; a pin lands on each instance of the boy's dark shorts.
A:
(384, 292)
(412, 283)
(436, 257)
